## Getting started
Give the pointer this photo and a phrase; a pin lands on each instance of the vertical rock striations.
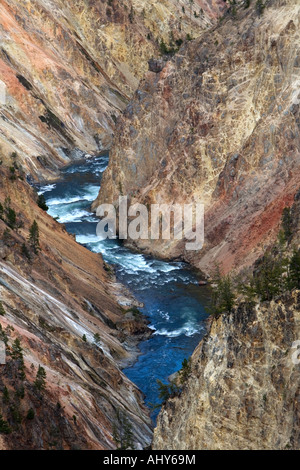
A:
(243, 392)
(70, 68)
(220, 125)
(55, 301)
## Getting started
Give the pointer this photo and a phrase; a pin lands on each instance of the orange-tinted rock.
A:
(218, 125)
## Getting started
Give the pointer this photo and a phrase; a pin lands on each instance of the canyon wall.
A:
(55, 301)
(243, 391)
(51, 299)
(219, 125)
(69, 69)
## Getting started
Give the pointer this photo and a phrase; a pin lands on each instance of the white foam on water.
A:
(188, 329)
(76, 215)
(64, 201)
(87, 239)
(46, 189)
(89, 194)
(167, 268)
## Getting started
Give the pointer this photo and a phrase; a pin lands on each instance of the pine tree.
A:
(185, 371)
(97, 338)
(294, 271)
(2, 311)
(30, 414)
(25, 252)
(4, 426)
(5, 395)
(17, 355)
(17, 350)
(42, 202)
(11, 218)
(40, 381)
(122, 432)
(268, 279)
(223, 296)
(34, 237)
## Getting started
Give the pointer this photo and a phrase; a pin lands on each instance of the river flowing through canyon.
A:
(173, 301)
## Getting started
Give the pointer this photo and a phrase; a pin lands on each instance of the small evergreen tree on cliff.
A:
(122, 432)
(223, 296)
(42, 202)
(97, 338)
(185, 371)
(40, 381)
(2, 311)
(294, 275)
(34, 237)
(4, 426)
(17, 355)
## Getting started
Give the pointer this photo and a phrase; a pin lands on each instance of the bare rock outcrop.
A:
(55, 301)
(70, 68)
(219, 125)
(243, 391)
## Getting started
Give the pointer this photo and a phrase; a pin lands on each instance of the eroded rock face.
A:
(51, 300)
(243, 391)
(220, 125)
(70, 67)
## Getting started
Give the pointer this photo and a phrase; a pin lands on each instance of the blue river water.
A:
(173, 301)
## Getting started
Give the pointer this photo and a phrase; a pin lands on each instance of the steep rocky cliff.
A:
(51, 300)
(243, 391)
(69, 68)
(219, 125)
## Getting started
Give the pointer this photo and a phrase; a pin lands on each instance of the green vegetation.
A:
(42, 202)
(20, 392)
(185, 371)
(286, 223)
(275, 273)
(97, 338)
(4, 426)
(5, 395)
(9, 216)
(25, 251)
(294, 271)
(34, 237)
(167, 391)
(17, 355)
(30, 415)
(3, 335)
(223, 296)
(40, 381)
(260, 6)
(233, 8)
(2, 311)
(122, 432)
(12, 175)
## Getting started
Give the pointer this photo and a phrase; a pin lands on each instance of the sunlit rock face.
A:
(70, 68)
(220, 125)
